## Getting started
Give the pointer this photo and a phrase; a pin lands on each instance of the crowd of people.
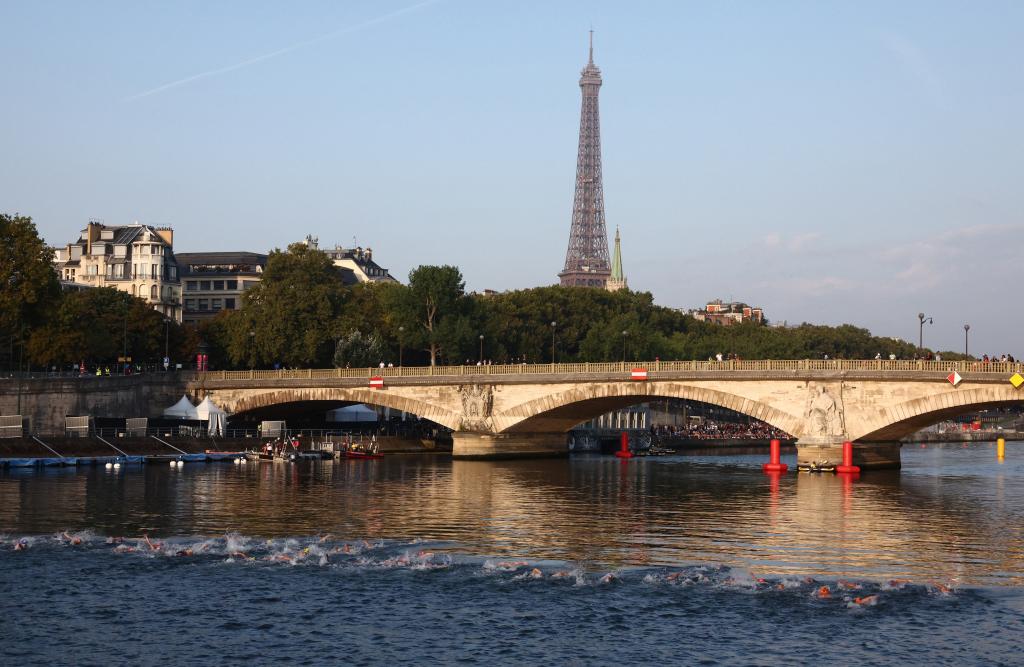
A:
(709, 429)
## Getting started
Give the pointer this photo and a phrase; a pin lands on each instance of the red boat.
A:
(363, 455)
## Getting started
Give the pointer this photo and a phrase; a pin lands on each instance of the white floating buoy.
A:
(109, 465)
(173, 463)
(235, 461)
(242, 461)
(117, 465)
(181, 463)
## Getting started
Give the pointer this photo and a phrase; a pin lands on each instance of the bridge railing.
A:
(582, 368)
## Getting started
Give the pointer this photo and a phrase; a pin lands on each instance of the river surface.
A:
(589, 560)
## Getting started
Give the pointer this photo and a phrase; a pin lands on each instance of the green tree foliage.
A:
(97, 326)
(434, 310)
(292, 312)
(357, 350)
(29, 288)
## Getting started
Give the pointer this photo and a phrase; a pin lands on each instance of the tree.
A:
(292, 312)
(97, 326)
(356, 350)
(433, 309)
(29, 287)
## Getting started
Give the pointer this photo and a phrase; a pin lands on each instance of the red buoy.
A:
(624, 452)
(848, 466)
(774, 454)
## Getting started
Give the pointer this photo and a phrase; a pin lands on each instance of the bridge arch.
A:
(240, 401)
(901, 420)
(560, 412)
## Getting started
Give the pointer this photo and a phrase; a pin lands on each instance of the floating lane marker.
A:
(954, 378)
(638, 374)
(1017, 380)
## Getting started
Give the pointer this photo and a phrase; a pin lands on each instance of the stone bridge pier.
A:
(467, 445)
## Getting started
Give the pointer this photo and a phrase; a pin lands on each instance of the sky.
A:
(831, 162)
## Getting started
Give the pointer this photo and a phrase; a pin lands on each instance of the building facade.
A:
(136, 258)
(215, 281)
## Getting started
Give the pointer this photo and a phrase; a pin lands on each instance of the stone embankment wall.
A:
(47, 401)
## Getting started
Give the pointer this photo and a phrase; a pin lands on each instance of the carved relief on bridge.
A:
(824, 416)
(477, 402)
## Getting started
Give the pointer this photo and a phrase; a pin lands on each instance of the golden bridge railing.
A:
(584, 368)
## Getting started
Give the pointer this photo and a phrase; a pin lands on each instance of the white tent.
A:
(353, 413)
(208, 408)
(213, 415)
(183, 409)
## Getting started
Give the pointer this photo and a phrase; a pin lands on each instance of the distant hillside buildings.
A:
(734, 312)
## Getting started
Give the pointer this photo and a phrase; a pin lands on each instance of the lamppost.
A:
(252, 350)
(481, 359)
(553, 325)
(400, 331)
(124, 356)
(624, 334)
(167, 343)
(967, 328)
(920, 331)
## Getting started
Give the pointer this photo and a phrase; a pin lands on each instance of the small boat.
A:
(817, 466)
(358, 450)
(363, 455)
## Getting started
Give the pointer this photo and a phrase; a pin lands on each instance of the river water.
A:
(590, 560)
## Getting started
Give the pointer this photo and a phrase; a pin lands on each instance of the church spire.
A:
(617, 280)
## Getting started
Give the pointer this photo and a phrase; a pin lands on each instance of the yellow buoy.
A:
(1000, 448)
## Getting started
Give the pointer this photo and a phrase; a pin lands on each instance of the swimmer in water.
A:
(609, 578)
(535, 573)
(866, 600)
(847, 585)
(152, 546)
(239, 554)
(673, 576)
(823, 593)
(561, 574)
(183, 552)
(21, 545)
(73, 539)
(115, 540)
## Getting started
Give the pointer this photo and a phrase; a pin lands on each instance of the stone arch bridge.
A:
(526, 410)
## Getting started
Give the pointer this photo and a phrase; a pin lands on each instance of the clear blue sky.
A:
(830, 161)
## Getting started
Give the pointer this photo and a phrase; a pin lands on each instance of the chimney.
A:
(167, 234)
(92, 233)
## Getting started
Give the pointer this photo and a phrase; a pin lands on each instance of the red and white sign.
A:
(376, 382)
(639, 374)
(954, 378)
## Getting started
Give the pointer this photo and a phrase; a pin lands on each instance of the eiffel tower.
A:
(586, 261)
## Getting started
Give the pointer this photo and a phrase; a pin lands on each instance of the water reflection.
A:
(953, 514)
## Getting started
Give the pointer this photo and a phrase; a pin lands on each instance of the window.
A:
(231, 284)
(191, 286)
(229, 304)
(204, 285)
(204, 304)
(153, 294)
(218, 284)
(190, 304)
(173, 273)
(246, 284)
(217, 304)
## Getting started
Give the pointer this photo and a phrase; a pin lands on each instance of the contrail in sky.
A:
(273, 54)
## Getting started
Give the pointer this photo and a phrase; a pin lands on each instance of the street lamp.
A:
(252, 350)
(967, 328)
(167, 341)
(624, 334)
(481, 360)
(124, 357)
(400, 331)
(920, 331)
(553, 325)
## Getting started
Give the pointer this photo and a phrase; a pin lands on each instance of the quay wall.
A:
(47, 401)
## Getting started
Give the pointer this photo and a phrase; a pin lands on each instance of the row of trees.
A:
(302, 315)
